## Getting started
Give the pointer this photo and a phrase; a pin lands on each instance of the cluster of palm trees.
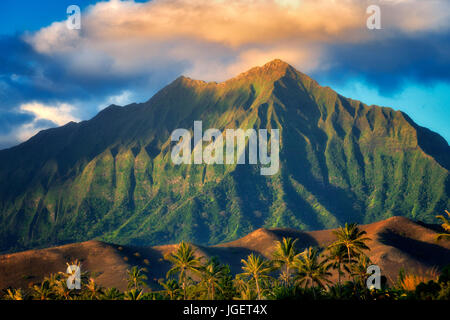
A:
(288, 268)
(289, 273)
(54, 287)
(311, 268)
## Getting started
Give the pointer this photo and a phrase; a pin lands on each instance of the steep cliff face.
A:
(112, 178)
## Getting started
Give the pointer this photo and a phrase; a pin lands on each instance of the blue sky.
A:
(125, 51)
(19, 16)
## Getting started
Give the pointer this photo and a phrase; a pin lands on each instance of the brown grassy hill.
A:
(21, 269)
(395, 243)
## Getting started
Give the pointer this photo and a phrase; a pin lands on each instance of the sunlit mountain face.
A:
(91, 92)
(53, 71)
(112, 176)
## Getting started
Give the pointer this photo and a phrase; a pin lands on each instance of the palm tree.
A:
(243, 287)
(171, 287)
(310, 271)
(44, 291)
(284, 255)
(134, 294)
(112, 294)
(61, 289)
(337, 256)
(14, 294)
(446, 225)
(359, 270)
(136, 278)
(211, 275)
(93, 290)
(247, 294)
(352, 239)
(257, 268)
(183, 260)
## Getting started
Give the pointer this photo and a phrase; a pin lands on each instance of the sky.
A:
(125, 51)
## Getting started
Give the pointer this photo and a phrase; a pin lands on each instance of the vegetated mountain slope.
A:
(111, 177)
(395, 243)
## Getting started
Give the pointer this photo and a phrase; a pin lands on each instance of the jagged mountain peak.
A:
(111, 177)
(275, 66)
(268, 73)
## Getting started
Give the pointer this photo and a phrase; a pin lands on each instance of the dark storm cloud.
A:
(27, 75)
(388, 63)
(10, 120)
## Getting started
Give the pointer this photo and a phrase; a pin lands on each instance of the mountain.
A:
(395, 243)
(111, 178)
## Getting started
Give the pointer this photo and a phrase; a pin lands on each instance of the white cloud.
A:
(60, 114)
(213, 38)
(122, 99)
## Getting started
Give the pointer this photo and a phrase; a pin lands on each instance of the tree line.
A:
(289, 274)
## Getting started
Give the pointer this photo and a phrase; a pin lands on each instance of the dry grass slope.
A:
(395, 243)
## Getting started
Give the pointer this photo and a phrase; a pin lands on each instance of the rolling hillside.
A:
(395, 243)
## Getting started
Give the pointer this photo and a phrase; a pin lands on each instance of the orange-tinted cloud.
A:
(133, 35)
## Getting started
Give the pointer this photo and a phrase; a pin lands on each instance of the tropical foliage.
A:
(290, 274)
(111, 177)
(445, 225)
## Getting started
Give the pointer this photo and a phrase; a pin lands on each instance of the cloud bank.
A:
(126, 50)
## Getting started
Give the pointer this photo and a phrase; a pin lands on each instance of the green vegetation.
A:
(136, 278)
(183, 261)
(256, 269)
(111, 178)
(350, 239)
(445, 226)
(289, 275)
(284, 256)
(310, 272)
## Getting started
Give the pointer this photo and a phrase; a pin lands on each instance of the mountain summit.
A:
(111, 177)
(274, 69)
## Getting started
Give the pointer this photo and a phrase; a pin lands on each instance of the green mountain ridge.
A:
(111, 177)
